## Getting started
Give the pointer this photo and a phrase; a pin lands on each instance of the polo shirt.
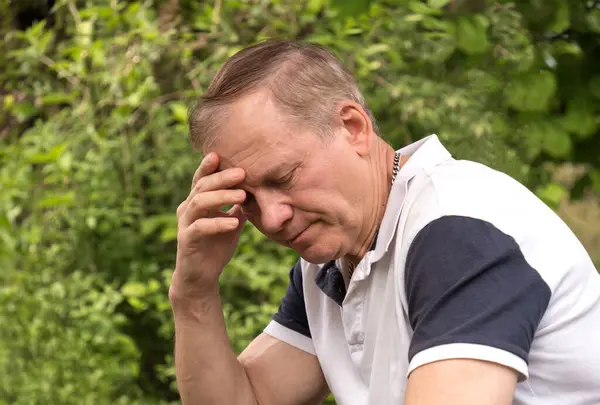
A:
(467, 263)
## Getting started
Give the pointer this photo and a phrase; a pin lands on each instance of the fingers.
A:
(207, 166)
(236, 212)
(203, 227)
(208, 204)
(206, 179)
(219, 181)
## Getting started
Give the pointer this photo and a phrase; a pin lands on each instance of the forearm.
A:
(207, 369)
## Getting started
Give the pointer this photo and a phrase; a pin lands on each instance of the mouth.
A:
(297, 237)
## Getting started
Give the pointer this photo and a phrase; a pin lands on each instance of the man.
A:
(423, 280)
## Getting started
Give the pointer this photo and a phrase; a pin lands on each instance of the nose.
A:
(268, 212)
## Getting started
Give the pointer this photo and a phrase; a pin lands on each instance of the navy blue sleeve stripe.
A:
(292, 310)
(468, 282)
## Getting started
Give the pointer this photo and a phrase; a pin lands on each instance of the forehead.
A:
(256, 134)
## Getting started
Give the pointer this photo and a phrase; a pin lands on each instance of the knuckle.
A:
(196, 201)
(181, 208)
(200, 184)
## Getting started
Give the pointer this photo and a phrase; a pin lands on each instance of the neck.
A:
(382, 163)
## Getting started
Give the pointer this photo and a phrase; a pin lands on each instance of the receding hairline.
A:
(228, 110)
(286, 62)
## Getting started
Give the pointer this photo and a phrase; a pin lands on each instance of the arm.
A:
(474, 304)
(267, 372)
(282, 374)
(207, 370)
(461, 382)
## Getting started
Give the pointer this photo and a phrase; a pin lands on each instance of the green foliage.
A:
(95, 157)
(48, 323)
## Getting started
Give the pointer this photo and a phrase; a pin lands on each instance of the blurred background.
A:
(95, 155)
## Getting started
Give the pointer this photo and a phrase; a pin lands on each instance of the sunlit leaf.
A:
(133, 289)
(58, 98)
(593, 20)
(437, 3)
(562, 17)
(51, 156)
(552, 194)
(471, 35)
(180, 112)
(57, 199)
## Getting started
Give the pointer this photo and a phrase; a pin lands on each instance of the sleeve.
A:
(471, 294)
(290, 323)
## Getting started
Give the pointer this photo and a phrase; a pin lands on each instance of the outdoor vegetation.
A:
(95, 155)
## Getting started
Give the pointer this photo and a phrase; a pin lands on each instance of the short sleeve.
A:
(290, 322)
(471, 294)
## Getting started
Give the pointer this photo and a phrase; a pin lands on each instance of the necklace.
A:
(395, 170)
(396, 167)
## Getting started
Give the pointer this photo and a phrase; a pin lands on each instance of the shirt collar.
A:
(423, 155)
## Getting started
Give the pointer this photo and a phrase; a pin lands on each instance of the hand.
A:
(206, 236)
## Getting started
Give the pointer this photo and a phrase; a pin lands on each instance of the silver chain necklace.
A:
(395, 170)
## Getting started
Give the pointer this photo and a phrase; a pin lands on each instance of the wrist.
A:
(184, 293)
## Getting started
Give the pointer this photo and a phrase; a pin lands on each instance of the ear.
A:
(356, 126)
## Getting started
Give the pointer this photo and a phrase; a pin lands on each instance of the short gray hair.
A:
(306, 80)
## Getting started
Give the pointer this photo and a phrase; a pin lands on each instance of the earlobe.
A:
(357, 126)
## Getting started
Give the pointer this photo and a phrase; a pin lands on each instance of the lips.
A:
(295, 238)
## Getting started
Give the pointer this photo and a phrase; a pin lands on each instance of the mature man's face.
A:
(303, 193)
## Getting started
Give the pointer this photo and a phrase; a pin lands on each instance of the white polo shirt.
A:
(467, 263)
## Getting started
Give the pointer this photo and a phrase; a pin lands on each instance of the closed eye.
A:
(285, 179)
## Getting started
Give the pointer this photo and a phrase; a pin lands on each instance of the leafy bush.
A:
(95, 157)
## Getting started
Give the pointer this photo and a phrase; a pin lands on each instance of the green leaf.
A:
(133, 289)
(168, 234)
(471, 35)
(351, 8)
(314, 6)
(562, 17)
(137, 303)
(531, 92)
(414, 17)
(580, 118)
(51, 156)
(593, 20)
(437, 3)
(58, 98)
(562, 47)
(557, 143)
(180, 112)
(9, 101)
(421, 8)
(44, 41)
(151, 224)
(552, 194)
(23, 111)
(55, 199)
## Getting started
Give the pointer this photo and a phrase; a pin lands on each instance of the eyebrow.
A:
(275, 170)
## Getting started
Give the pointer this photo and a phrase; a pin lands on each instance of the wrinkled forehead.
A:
(250, 151)
(254, 130)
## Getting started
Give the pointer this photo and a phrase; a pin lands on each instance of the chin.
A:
(318, 254)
